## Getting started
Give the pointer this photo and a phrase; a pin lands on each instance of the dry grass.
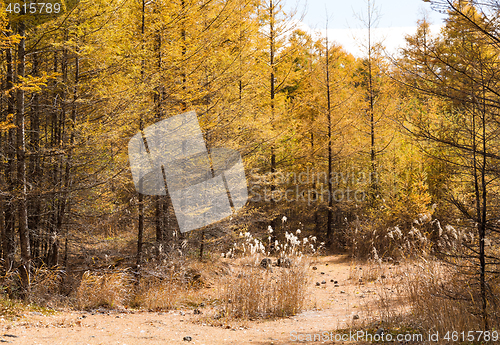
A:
(165, 285)
(254, 292)
(45, 287)
(368, 271)
(424, 296)
(233, 287)
(445, 299)
(109, 289)
(12, 309)
(244, 291)
(155, 294)
(159, 293)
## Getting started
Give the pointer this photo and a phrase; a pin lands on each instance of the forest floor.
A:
(352, 303)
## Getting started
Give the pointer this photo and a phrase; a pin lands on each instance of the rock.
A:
(322, 272)
(318, 284)
(182, 313)
(355, 317)
(314, 268)
(335, 282)
(342, 291)
(266, 263)
(336, 285)
(197, 312)
(187, 338)
(323, 282)
(382, 276)
(284, 262)
(360, 280)
(380, 331)
(326, 264)
(331, 280)
(202, 304)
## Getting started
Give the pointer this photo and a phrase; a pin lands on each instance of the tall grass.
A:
(109, 289)
(254, 292)
(157, 294)
(444, 299)
(428, 296)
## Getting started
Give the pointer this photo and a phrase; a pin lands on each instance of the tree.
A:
(459, 68)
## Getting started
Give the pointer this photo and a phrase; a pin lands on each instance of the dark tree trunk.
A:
(272, 89)
(140, 230)
(158, 100)
(21, 172)
(8, 242)
(329, 226)
(35, 173)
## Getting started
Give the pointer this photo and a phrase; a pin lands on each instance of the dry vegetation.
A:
(444, 299)
(232, 286)
(252, 292)
(424, 295)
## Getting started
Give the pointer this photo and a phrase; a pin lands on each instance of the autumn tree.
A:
(459, 70)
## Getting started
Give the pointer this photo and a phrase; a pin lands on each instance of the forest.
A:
(382, 157)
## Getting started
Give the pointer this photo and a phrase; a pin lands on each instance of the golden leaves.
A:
(31, 83)
(8, 123)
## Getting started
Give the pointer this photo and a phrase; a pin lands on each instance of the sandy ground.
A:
(332, 307)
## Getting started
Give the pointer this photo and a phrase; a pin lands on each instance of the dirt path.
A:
(332, 307)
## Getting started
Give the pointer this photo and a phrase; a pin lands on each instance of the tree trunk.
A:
(21, 172)
(158, 100)
(140, 230)
(374, 188)
(202, 243)
(35, 173)
(272, 86)
(9, 243)
(483, 221)
(329, 228)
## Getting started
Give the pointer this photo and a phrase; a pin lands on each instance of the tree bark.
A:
(21, 171)
(329, 227)
(35, 174)
(140, 230)
(9, 243)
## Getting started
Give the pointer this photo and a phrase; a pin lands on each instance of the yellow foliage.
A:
(33, 84)
(7, 124)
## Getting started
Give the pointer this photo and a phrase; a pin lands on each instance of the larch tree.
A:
(459, 68)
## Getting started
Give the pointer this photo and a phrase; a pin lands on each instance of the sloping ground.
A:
(332, 306)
